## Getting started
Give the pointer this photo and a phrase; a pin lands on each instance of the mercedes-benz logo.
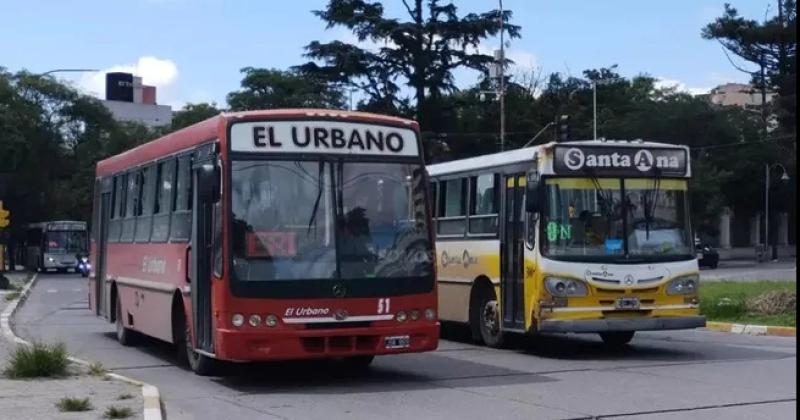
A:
(629, 279)
(339, 290)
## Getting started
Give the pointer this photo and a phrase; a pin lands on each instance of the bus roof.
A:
(511, 157)
(214, 127)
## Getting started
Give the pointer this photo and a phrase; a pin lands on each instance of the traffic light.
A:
(4, 216)
(563, 128)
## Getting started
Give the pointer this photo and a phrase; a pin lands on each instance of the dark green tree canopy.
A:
(193, 113)
(421, 49)
(270, 88)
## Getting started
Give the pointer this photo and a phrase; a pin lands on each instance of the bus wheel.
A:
(200, 364)
(489, 320)
(125, 336)
(617, 338)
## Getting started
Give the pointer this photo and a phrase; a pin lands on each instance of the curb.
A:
(751, 329)
(150, 395)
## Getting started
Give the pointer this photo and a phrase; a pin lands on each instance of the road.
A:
(670, 375)
(749, 270)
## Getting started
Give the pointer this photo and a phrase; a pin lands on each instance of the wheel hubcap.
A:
(489, 317)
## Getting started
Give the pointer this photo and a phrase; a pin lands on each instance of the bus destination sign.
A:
(312, 136)
(619, 161)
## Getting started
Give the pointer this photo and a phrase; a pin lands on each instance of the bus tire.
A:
(200, 364)
(125, 335)
(487, 319)
(617, 338)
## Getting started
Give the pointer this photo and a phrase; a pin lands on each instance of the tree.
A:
(421, 50)
(270, 88)
(193, 113)
(770, 45)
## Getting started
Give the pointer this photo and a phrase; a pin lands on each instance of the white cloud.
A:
(662, 83)
(154, 71)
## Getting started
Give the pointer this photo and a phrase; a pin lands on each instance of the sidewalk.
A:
(37, 398)
(749, 253)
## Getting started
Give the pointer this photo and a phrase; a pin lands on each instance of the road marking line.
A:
(52, 290)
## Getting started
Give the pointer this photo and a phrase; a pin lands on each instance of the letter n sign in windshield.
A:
(322, 137)
(620, 161)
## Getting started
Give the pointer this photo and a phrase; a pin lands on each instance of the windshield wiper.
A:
(649, 203)
(319, 196)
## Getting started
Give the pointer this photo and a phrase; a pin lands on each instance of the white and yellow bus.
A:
(586, 237)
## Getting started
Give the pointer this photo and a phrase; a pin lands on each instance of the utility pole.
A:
(594, 106)
(502, 93)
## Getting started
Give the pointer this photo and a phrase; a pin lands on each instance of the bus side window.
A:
(131, 206)
(433, 211)
(452, 207)
(165, 181)
(484, 204)
(115, 224)
(180, 228)
(145, 211)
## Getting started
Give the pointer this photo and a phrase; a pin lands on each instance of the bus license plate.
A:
(628, 303)
(397, 342)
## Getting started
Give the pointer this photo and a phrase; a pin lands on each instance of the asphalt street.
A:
(666, 375)
(750, 270)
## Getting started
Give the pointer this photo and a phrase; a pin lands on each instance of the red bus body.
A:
(151, 280)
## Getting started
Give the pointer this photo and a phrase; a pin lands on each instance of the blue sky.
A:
(193, 49)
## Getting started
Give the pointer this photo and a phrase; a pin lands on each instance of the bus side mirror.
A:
(208, 181)
(532, 196)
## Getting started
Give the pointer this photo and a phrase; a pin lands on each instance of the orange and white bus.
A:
(269, 235)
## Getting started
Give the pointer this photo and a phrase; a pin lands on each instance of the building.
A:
(738, 94)
(130, 100)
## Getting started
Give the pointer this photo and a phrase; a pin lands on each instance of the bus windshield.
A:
(328, 219)
(590, 219)
(65, 241)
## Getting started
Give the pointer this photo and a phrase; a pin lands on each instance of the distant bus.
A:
(55, 245)
(269, 235)
(588, 236)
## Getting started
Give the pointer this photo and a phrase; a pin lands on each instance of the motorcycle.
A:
(84, 266)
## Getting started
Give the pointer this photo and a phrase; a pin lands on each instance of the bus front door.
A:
(204, 184)
(102, 303)
(513, 236)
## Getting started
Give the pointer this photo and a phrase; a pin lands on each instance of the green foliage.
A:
(97, 369)
(270, 88)
(728, 302)
(37, 361)
(193, 113)
(68, 404)
(420, 49)
(114, 412)
(771, 46)
(12, 295)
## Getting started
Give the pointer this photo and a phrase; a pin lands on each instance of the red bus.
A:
(269, 235)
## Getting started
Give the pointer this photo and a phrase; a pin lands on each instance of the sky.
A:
(193, 50)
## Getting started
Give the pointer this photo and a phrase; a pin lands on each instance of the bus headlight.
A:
(414, 315)
(254, 320)
(401, 316)
(561, 287)
(684, 285)
(237, 320)
(430, 314)
(271, 320)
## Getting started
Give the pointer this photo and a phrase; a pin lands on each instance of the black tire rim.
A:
(489, 318)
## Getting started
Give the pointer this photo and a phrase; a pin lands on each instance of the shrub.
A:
(74, 404)
(37, 361)
(97, 369)
(117, 412)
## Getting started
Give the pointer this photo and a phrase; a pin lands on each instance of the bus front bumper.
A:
(636, 324)
(286, 344)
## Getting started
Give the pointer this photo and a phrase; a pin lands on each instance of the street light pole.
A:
(67, 71)
(594, 106)
(784, 177)
(501, 94)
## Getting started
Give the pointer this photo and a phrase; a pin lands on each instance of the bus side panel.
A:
(459, 264)
(147, 276)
